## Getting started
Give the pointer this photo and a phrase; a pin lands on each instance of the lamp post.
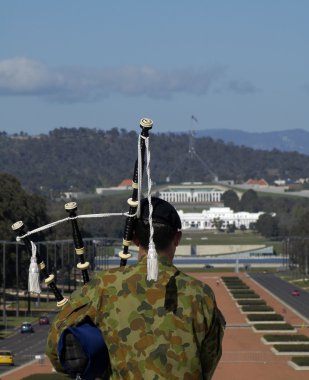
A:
(17, 281)
(3, 287)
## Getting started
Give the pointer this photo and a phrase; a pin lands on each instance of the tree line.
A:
(291, 213)
(81, 159)
(283, 216)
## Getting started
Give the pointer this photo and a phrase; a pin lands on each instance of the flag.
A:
(194, 118)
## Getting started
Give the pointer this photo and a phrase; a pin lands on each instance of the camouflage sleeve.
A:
(211, 349)
(75, 311)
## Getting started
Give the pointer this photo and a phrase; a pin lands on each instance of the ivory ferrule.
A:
(49, 279)
(127, 243)
(70, 206)
(41, 265)
(82, 266)
(124, 256)
(80, 251)
(134, 185)
(16, 226)
(132, 203)
(146, 123)
(62, 302)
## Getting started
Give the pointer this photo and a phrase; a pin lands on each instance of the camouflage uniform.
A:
(148, 337)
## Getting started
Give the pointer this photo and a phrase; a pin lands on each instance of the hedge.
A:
(252, 308)
(286, 338)
(273, 326)
(251, 302)
(232, 281)
(292, 347)
(301, 360)
(238, 287)
(245, 296)
(264, 317)
(242, 291)
(234, 284)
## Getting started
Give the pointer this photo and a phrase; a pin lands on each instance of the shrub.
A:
(245, 296)
(241, 291)
(256, 308)
(264, 317)
(251, 302)
(232, 281)
(230, 278)
(292, 347)
(273, 326)
(286, 338)
(301, 360)
(238, 287)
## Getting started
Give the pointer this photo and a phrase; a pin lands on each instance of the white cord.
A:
(152, 257)
(85, 216)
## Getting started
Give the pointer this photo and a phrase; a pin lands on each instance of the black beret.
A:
(162, 212)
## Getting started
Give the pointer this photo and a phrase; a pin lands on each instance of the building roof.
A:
(125, 183)
(257, 182)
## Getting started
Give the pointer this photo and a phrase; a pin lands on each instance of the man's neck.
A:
(166, 254)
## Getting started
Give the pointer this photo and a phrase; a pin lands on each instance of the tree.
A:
(230, 199)
(217, 223)
(231, 228)
(250, 202)
(16, 204)
(301, 227)
(267, 225)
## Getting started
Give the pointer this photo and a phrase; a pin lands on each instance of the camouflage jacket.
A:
(169, 329)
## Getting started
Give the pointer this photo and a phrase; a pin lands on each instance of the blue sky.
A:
(239, 64)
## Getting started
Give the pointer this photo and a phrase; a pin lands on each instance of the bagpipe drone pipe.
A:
(37, 264)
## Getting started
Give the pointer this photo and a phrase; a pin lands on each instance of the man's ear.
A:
(177, 238)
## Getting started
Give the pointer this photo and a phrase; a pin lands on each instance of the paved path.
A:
(244, 357)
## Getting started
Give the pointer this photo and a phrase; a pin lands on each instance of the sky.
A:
(187, 65)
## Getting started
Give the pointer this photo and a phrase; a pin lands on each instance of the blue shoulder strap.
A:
(94, 347)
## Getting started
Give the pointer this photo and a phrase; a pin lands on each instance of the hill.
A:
(287, 141)
(80, 159)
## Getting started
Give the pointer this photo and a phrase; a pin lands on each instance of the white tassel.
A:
(152, 256)
(152, 263)
(34, 273)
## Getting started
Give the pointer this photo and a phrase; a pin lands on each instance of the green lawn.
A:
(224, 238)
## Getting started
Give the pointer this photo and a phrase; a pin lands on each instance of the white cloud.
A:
(23, 76)
(241, 87)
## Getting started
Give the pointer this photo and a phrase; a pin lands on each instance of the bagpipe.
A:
(37, 264)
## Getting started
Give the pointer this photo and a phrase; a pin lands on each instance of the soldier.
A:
(123, 326)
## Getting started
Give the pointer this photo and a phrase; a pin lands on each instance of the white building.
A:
(205, 219)
(191, 193)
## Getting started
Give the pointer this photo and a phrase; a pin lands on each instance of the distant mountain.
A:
(292, 140)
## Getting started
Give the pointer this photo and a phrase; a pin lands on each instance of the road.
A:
(26, 346)
(283, 290)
